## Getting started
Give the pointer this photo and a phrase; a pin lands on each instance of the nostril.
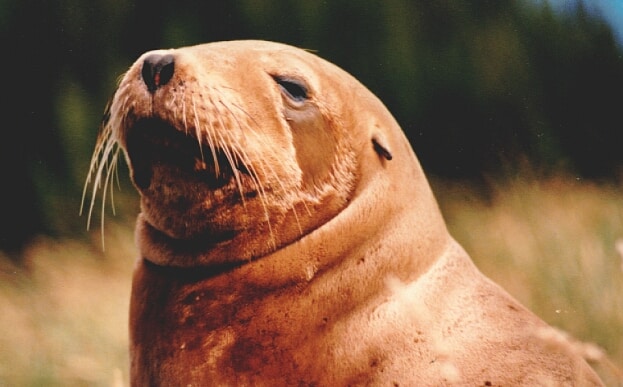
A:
(157, 70)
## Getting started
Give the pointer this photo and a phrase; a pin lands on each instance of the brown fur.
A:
(322, 259)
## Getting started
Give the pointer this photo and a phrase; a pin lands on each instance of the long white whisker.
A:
(208, 136)
(95, 158)
(197, 129)
(184, 115)
(238, 151)
(109, 173)
(226, 151)
(104, 153)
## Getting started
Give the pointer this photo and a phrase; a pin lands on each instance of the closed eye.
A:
(292, 88)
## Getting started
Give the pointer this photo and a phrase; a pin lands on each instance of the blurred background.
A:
(513, 107)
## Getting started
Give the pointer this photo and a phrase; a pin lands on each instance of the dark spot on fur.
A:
(193, 344)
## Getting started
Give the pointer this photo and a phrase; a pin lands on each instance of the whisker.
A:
(103, 165)
(173, 99)
(114, 177)
(109, 172)
(238, 151)
(227, 151)
(197, 129)
(223, 144)
(103, 168)
(95, 158)
(184, 115)
(212, 141)
(101, 156)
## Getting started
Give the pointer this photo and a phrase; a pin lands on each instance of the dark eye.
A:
(293, 88)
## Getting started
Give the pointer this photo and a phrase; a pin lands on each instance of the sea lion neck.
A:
(351, 238)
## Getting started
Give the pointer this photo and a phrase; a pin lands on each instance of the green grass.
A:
(550, 242)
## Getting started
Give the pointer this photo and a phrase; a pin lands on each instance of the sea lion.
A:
(288, 236)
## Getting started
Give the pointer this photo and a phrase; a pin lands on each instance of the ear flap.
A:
(381, 147)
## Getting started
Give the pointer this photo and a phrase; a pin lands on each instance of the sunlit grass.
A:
(550, 242)
(64, 315)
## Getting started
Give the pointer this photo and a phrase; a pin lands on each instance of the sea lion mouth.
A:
(151, 143)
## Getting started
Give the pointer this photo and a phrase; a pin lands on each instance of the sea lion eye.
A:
(292, 88)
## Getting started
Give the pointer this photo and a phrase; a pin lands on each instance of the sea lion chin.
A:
(288, 236)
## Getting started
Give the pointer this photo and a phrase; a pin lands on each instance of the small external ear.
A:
(380, 146)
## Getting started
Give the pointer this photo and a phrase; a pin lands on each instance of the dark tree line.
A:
(477, 85)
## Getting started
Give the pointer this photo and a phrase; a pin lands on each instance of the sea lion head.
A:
(240, 148)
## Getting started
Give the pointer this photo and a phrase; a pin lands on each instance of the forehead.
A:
(249, 58)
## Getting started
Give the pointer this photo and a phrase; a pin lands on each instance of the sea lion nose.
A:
(157, 70)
